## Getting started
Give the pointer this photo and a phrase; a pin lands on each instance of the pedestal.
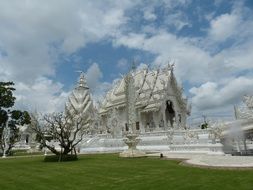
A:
(132, 151)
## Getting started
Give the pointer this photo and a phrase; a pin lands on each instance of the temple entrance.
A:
(26, 139)
(170, 113)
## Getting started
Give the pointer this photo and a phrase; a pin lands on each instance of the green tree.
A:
(204, 126)
(7, 114)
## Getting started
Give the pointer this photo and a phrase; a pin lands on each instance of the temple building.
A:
(159, 103)
(146, 111)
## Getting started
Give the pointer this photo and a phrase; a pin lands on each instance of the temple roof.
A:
(150, 85)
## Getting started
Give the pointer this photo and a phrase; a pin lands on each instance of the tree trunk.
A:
(75, 150)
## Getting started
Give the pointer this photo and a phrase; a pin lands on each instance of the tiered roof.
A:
(151, 87)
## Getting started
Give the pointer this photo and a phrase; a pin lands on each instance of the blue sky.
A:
(44, 43)
(105, 55)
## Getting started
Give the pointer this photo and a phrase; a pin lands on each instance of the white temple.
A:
(152, 109)
(145, 111)
(159, 103)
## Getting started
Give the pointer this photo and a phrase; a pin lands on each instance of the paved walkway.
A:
(205, 160)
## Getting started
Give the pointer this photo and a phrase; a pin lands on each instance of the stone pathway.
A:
(224, 161)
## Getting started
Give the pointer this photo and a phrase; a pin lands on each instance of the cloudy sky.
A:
(44, 43)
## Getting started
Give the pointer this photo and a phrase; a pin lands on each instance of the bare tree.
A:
(62, 129)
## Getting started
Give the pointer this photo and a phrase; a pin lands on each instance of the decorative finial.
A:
(236, 112)
(171, 66)
(133, 65)
(82, 80)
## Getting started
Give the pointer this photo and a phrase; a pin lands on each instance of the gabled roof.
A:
(150, 86)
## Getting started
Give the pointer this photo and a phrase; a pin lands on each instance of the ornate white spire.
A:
(133, 65)
(82, 81)
(79, 104)
(130, 100)
(131, 139)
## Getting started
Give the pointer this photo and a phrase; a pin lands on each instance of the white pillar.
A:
(164, 117)
(156, 120)
(142, 122)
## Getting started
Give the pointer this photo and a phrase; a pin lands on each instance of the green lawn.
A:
(109, 172)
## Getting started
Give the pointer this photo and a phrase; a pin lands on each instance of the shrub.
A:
(64, 158)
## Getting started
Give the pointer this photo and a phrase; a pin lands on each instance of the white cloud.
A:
(231, 61)
(43, 95)
(224, 26)
(34, 34)
(114, 18)
(93, 75)
(98, 88)
(208, 16)
(236, 25)
(149, 14)
(177, 20)
(211, 95)
(167, 46)
(122, 64)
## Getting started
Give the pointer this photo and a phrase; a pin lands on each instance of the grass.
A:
(110, 172)
(25, 153)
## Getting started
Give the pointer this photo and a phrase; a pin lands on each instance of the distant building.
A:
(27, 139)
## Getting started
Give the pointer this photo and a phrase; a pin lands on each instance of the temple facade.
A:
(159, 103)
(148, 105)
